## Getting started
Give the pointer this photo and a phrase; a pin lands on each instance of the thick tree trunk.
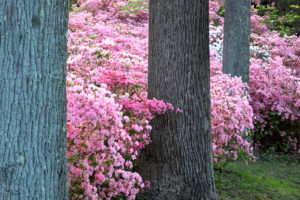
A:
(33, 51)
(237, 27)
(178, 162)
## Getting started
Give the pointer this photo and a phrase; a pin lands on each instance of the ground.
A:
(276, 178)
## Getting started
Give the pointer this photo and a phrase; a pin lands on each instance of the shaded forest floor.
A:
(270, 178)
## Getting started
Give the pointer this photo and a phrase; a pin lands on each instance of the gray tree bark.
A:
(178, 162)
(237, 27)
(33, 52)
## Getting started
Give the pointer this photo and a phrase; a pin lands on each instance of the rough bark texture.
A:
(33, 51)
(237, 27)
(178, 162)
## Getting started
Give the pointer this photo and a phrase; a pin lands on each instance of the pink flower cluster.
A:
(115, 8)
(214, 7)
(274, 82)
(257, 2)
(287, 47)
(108, 112)
(104, 139)
(231, 116)
(100, 150)
(275, 96)
(274, 88)
(106, 83)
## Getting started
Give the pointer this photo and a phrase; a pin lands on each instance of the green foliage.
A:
(287, 23)
(92, 37)
(135, 6)
(221, 11)
(278, 135)
(71, 2)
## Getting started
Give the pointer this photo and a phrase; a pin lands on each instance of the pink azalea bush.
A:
(231, 113)
(100, 151)
(108, 112)
(231, 116)
(274, 82)
(104, 139)
(275, 93)
(268, 50)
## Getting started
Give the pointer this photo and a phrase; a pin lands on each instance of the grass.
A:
(267, 179)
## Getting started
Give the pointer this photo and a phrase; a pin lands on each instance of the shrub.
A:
(275, 93)
(105, 134)
(231, 118)
(285, 22)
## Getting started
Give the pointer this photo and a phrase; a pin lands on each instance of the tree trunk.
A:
(33, 52)
(237, 27)
(178, 162)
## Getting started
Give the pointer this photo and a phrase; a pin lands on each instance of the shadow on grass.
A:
(266, 179)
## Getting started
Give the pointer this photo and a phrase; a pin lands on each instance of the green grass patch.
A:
(269, 179)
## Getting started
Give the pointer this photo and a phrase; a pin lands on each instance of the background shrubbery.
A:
(281, 15)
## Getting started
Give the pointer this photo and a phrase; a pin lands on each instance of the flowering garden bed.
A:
(109, 113)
